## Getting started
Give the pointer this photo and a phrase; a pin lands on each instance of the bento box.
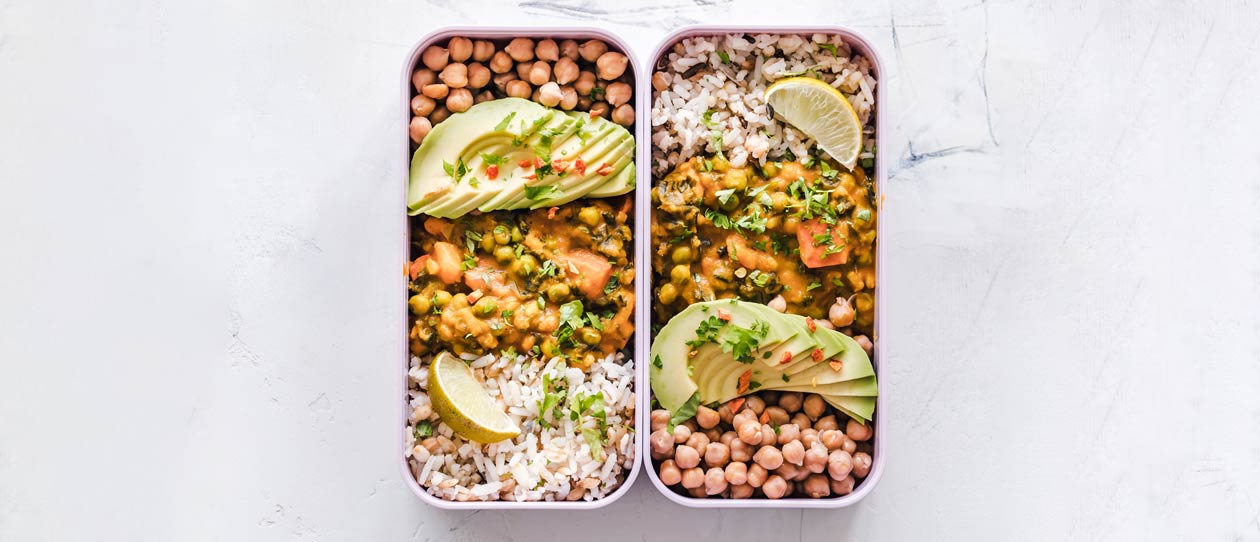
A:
(520, 388)
(736, 190)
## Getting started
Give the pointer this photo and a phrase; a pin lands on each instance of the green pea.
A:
(680, 274)
(730, 204)
(441, 298)
(504, 255)
(590, 335)
(558, 291)
(516, 235)
(525, 265)
(589, 216)
(419, 304)
(501, 234)
(771, 169)
(779, 200)
(724, 273)
(550, 348)
(487, 243)
(485, 307)
(667, 294)
(736, 178)
(682, 254)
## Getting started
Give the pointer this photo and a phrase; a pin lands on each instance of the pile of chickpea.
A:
(778, 445)
(565, 74)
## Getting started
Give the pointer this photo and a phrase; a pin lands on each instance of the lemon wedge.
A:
(462, 404)
(822, 112)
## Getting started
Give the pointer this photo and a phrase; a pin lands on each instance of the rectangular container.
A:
(640, 340)
(862, 46)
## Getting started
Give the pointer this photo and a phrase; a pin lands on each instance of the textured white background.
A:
(197, 328)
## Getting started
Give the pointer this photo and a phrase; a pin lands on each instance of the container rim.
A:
(879, 454)
(640, 340)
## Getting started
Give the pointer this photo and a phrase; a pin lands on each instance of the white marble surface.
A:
(199, 243)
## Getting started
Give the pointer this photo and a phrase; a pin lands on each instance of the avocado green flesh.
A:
(466, 136)
(715, 375)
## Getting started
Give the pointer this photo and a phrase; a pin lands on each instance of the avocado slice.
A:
(573, 187)
(862, 387)
(861, 409)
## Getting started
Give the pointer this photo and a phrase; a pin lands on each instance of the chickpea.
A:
(670, 474)
(435, 58)
(423, 77)
(814, 406)
(717, 454)
(686, 457)
(660, 81)
(459, 100)
(737, 473)
(419, 128)
(789, 432)
(857, 431)
(816, 458)
(522, 70)
(502, 79)
(768, 436)
(757, 475)
(437, 91)
(843, 487)
(547, 50)
(518, 89)
(740, 450)
(769, 457)
(794, 453)
(791, 402)
(600, 109)
(775, 487)
(841, 313)
(659, 419)
(681, 434)
(485, 96)
(698, 493)
(714, 481)
(777, 416)
(743, 416)
(817, 486)
(800, 419)
(478, 75)
(741, 491)
(825, 324)
(549, 94)
(849, 445)
(861, 464)
(568, 98)
(662, 442)
(809, 436)
(520, 49)
(539, 73)
(791, 472)
(692, 478)
(750, 433)
(617, 93)
(755, 404)
(623, 115)
(707, 417)
(501, 63)
(865, 343)
(585, 83)
(460, 49)
(592, 49)
(831, 439)
(482, 50)
(826, 422)
(566, 71)
(584, 103)
(778, 303)
(698, 441)
(455, 75)
(839, 464)
(611, 65)
(422, 105)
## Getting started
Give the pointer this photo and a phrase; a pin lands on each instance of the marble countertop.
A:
(198, 216)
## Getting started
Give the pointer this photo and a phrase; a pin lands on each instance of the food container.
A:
(862, 46)
(640, 341)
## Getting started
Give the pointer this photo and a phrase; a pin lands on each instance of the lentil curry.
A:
(798, 234)
(555, 281)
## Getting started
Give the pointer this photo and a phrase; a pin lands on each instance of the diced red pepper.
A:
(724, 315)
(551, 213)
(579, 166)
(744, 380)
(492, 172)
(836, 365)
(604, 169)
(736, 404)
(525, 163)
(559, 166)
(787, 358)
(765, 417)
(538, 162)
(816, 354)
(813, 326)
(531, 176)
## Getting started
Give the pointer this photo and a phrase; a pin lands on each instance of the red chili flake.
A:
(813, 326)
(551, 213)
(736, 404)
(538, 162)
(836, 365)
(816, 354)
(492, 172)
(724, 315)
(604, 169)
(744, 380)
(559, 166)
(787, 358)
(524, 163)
(579, 166)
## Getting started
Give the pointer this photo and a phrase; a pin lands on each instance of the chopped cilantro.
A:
(829, 47)
(685, 412)
(539, 192)
(724, 196)
(656, 362)
(864, 215)
(707, 332)
(726, 59)
(492, 159)
(504, 123)
(423, 429)
(741, 342)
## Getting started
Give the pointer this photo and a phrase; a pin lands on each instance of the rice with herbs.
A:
(709, 94)
(579, 449)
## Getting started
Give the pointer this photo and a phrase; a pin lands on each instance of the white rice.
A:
(548, 461)
(735, 93)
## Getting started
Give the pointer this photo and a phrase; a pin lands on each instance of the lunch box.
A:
(640, 340)
(863, 47)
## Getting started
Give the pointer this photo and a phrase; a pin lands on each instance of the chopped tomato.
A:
(604, 169)
(823, 244)
(492, 172)
(448, 259)
(559, 166)
(787, 358)
(736, 404)
(765, 417)
(531, 176)
(836, 365)
(724, 315)
(816, 355)
(551, 213)
(744, 380)
(538, 162)
(416, 266)
(579, 166)
(438, 226)
(525, 163)
(813, 326)
(593, 271)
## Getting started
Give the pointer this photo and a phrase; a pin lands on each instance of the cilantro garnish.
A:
(504, 123)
